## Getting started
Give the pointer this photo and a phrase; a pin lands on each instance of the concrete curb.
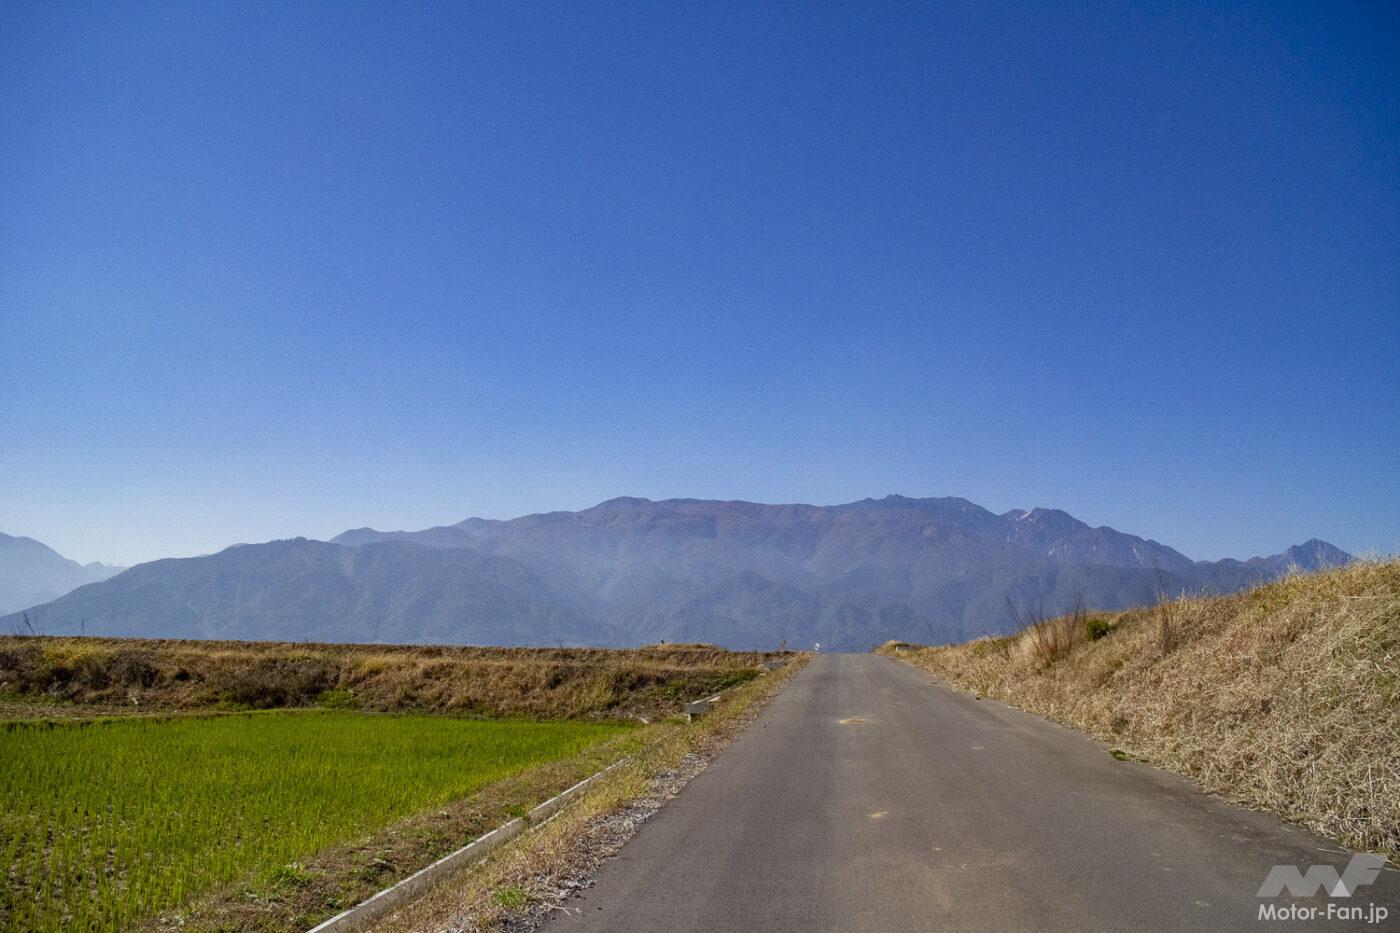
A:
(366, 912)
(701, 707)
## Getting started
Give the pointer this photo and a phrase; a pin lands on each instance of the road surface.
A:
(867, 798)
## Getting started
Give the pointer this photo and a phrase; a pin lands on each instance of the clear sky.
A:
(276, 269)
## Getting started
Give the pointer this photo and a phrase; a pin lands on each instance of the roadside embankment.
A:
(1285, 698)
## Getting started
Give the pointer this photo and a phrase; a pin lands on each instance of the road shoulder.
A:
(523, 884)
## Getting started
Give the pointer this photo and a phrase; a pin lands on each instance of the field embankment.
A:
(1284, 698)
(54, 677)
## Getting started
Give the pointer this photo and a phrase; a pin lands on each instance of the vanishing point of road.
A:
(868, 798)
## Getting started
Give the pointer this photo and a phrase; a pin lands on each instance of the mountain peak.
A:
(1057, 519)
(1315, 554)
(621, 502)
(31, 572)
(892, 501)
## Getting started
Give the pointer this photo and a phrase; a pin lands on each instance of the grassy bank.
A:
(104, 823)
(1284, 698)
(55, 676)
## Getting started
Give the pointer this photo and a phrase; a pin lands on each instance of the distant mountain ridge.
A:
(630, 570)
(298, 589)
(32, 572)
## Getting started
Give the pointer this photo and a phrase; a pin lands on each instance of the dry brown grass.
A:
(1046, 640)
(1285, 698)
(138, 675)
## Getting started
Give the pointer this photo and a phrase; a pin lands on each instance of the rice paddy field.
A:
(105, 823)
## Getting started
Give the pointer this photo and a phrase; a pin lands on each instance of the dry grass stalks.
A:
(1044, 640)
(1285, 698)
(142, 675)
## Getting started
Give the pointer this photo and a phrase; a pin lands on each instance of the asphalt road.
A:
(867, 798)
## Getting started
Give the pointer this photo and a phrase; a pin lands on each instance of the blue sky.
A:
(280, 269)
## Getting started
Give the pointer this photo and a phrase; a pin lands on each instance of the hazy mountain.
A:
(926, 569)
(31, 573)
(630, 570)
(310, 590)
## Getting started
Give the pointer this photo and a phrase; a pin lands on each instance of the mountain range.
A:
(632, 571)
(32, 573)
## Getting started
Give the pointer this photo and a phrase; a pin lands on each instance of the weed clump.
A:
(1097, 627)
